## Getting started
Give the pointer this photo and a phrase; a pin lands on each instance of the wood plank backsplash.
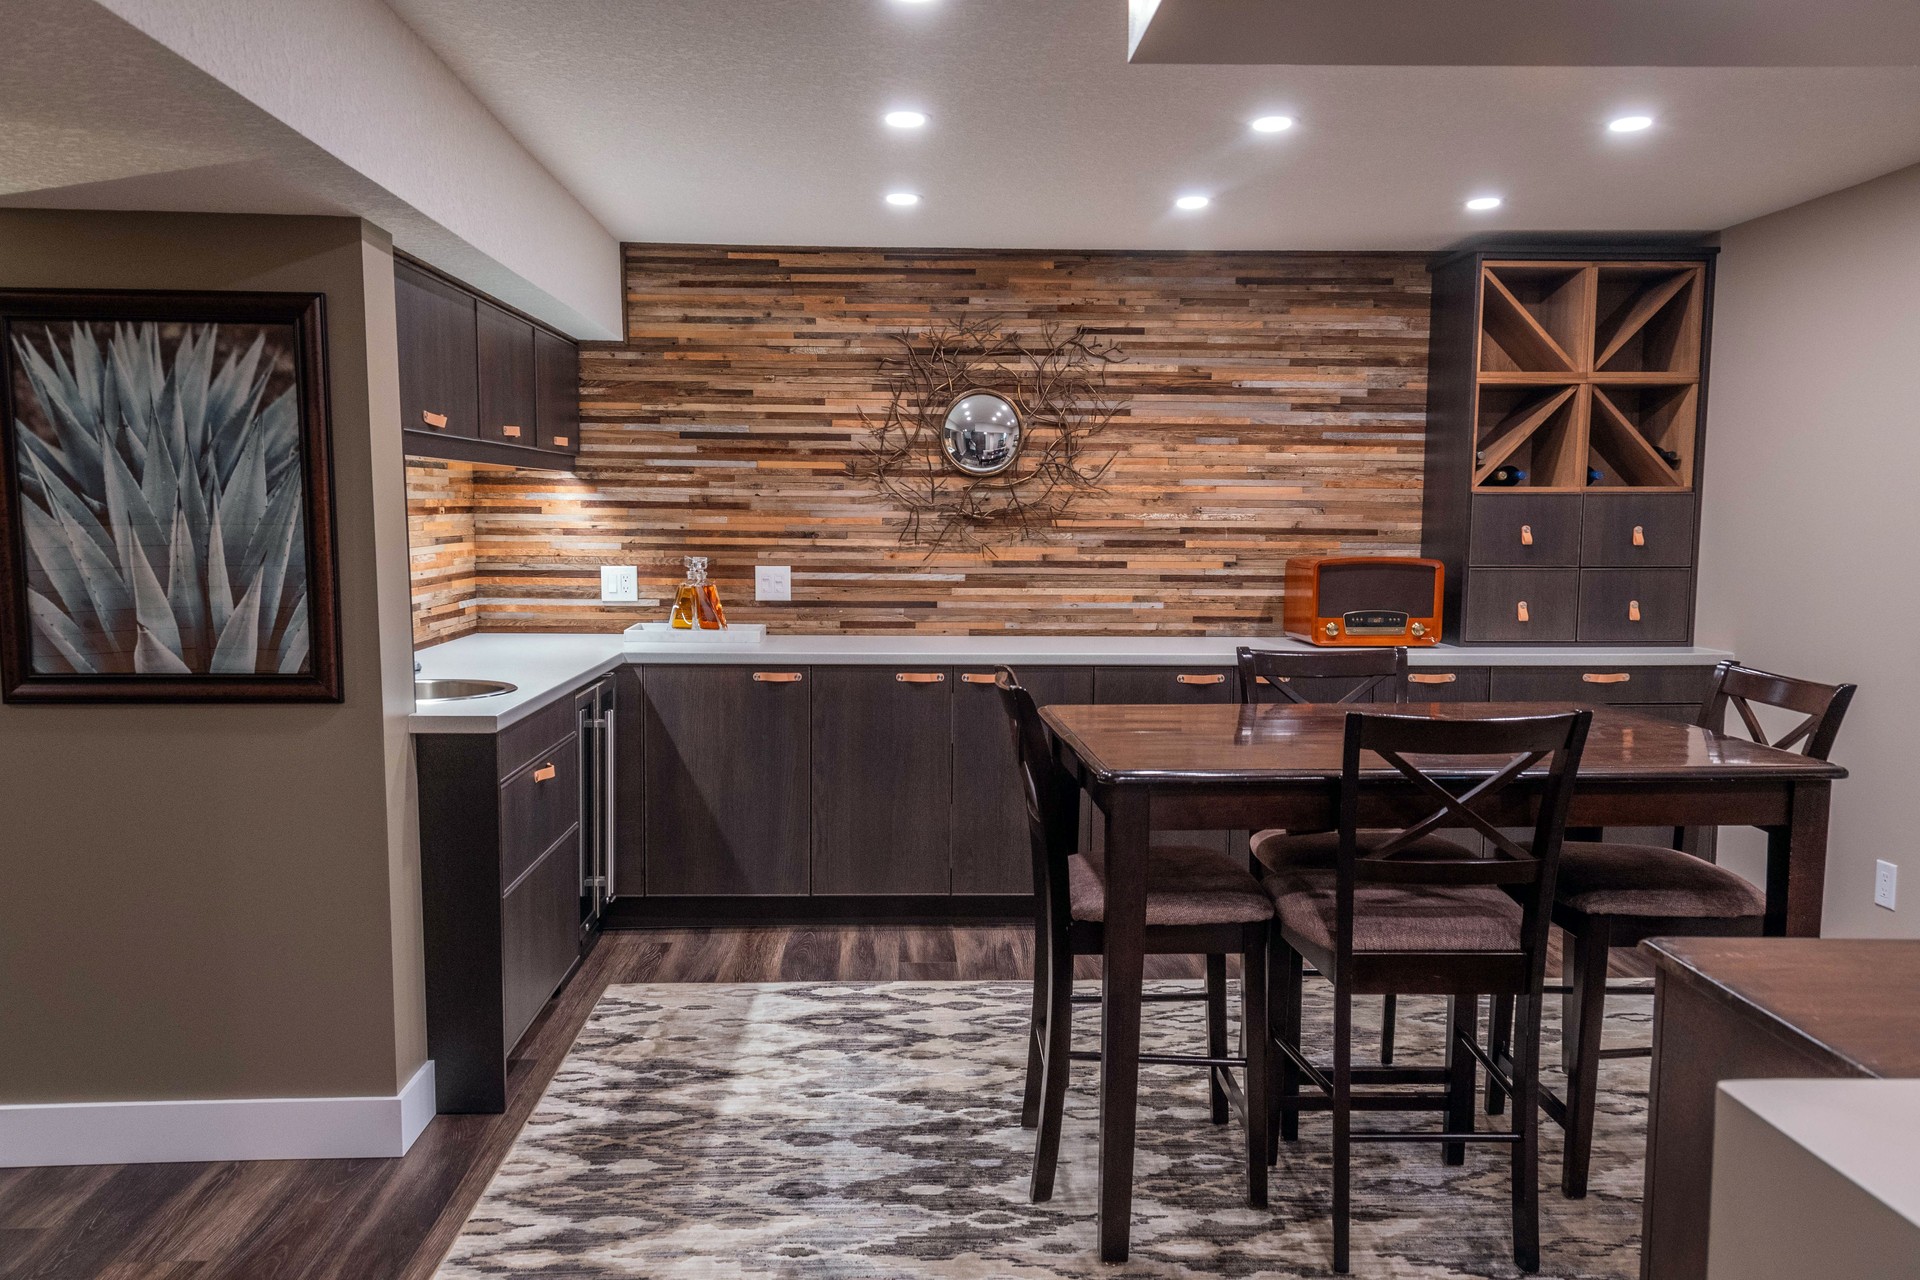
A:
(1277, 407)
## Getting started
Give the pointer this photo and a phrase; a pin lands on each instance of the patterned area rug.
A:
(872, 1130)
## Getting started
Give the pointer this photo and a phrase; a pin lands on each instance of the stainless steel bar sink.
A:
(425, 691)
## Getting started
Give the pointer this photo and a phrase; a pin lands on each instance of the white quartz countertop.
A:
(544, 667)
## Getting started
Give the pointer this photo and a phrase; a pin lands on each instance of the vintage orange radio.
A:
(1364, 600)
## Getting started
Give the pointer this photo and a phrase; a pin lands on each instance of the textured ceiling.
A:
(757, 121)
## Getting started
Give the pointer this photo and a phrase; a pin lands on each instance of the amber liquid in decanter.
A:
(697, 603)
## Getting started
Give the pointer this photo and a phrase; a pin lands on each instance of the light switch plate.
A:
(1886, 884)
(772, 582)
(619, 582)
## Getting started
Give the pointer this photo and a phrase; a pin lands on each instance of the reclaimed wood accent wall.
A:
(440, 546)
(1277, 408)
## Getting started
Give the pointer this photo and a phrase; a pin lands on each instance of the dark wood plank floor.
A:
(395, 1219)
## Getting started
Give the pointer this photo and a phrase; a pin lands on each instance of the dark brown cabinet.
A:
(1565, 417)
(991, 851)
(1179, 685)
(1521, 605)
(1526, 530)
(726, 752)
(1443, 684)
(439, 354)
(882, 769)
(556, 391)
(1635, 606)
(1637, 530)
(507, 411)
(480, 382)
(500, 891)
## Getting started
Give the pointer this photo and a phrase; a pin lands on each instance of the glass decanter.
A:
(697, 603)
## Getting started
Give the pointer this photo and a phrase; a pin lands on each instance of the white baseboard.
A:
(216, 1128)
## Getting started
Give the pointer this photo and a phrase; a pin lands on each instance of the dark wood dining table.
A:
(1228, 767)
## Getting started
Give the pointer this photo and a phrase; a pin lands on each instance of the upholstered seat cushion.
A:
(1397, 917)
(1282, 850)
(1185, 886)
(1646, 880)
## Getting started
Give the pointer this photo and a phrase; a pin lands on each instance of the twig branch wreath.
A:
(1056, 381)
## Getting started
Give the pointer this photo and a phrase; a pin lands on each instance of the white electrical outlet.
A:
(772, 582)
(1886, 883)
(619, 582)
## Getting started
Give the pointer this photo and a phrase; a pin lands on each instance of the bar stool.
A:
(1618, 895)
(1198, 903)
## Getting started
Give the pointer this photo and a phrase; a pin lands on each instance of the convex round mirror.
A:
(981, 434)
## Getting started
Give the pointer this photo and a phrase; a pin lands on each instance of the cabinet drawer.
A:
(1637, 530)
(1443, 684)
(537, 805)
(1636, 606)
(1113, 685)
(521, 742)
(539, 937)
(1603, 684)
(1506, 605)
(1526, 529)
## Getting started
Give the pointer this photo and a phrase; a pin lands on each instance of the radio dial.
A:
(1419, 628)
(1333, 629)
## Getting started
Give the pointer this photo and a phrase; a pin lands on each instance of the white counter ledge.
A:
(546, 666)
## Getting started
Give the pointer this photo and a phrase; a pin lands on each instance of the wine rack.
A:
(1565, 415)
(1587, 375)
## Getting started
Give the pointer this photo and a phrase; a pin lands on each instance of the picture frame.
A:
(167, 529)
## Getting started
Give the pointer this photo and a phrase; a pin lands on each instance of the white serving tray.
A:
(739, 635)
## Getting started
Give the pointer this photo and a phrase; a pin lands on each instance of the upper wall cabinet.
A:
(480, 383)
(1568, 396)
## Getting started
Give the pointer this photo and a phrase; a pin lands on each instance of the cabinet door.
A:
(1638, 530)
(1526, 530)
(1636, 606)
(882, 769)
(539, 935)
(556, 389)
(506, 377)
(438, 354)
(1521, 605)
(1169, 685)
(992, 852)
(726, 780)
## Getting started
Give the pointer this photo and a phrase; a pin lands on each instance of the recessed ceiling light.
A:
(905, 119)
(1480, 204)
(1191, 202)
(1630, 124)
(1271, 124)
(902, 198)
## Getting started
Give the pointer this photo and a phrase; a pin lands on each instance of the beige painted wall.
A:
(223, 901)
(1810, 523)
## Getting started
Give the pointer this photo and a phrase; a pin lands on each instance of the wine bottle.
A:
(1671, 458)
(1594, 476)
(1506, 477)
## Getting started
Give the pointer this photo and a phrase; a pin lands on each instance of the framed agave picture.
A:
(166, 507)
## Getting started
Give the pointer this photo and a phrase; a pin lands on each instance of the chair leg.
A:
(1342, 1123)
(1216, 1035)
(1058, 1063)
(1387, 1012)
(1463, 1026)
(1582, 1030)
(1254, 1042)
(1569, 1008)
(1526, 1123)
(1288, 1075)
(1499, 1046)
(1043, 962)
